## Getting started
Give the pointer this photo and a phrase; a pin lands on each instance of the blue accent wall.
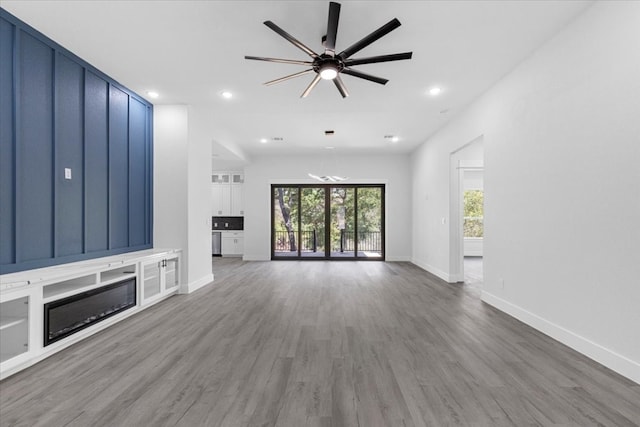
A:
(7, 147)
(59, 113)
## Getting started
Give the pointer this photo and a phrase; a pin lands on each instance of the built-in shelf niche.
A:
(14, 328)
(117, 273)
(75, 284)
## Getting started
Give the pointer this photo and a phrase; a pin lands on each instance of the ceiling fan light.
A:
(328, 72)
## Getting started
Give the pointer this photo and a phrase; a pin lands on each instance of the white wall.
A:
(170, 142)
(182, 205)
(562, 151)
(391, 170)
(199, 208)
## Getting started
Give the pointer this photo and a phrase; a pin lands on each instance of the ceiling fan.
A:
(329, 65)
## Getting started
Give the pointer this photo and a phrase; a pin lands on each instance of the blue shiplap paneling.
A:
(69, 153)
(34, 189)
(97, 163)
(149, 178)
(7, 170)
(137, 171)
(57, 112)
(118, 168)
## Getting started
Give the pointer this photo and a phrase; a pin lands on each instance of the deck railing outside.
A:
(313, 240)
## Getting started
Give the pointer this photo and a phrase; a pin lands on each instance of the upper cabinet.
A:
(76, 154)
(227, 193)
(220, 178)
(236, 177)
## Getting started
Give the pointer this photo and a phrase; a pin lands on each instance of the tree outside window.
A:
(473, 213)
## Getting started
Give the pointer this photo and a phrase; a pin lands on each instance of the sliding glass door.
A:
(312, 222)
(327, 222)
(369, 237)
(343, 222)
(285, 214)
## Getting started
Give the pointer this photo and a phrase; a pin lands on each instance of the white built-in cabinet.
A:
(232, 243)
(227, 194)
(221, 199)
(159, 278)
(23, 296)
(17, 311)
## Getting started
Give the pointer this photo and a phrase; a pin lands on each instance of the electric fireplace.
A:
(67, 316)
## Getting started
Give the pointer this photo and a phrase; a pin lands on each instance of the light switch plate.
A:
(67, 173)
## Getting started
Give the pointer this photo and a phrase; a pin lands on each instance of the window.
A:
(473, 213)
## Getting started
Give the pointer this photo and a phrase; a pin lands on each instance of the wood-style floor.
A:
(295, 343)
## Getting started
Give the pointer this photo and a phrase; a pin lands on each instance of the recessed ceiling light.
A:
(392, 138)
(329, 148)
(263, 140)
(434, 91)
(226, 94)
(153, 94)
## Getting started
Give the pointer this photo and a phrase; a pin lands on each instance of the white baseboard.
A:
(250, 257)
(616, 362)
(473, 253)
(197, 284)
(398, 258)
(253, 257)
(441, 274)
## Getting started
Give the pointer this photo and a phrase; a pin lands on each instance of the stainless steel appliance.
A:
(216, 243)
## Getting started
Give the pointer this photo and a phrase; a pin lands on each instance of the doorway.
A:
(466, 219)
(473, 225)
(331, 221)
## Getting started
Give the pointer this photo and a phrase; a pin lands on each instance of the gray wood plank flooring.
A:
(319, 344)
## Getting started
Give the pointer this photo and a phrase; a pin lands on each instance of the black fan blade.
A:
(341, 87)
(313, 84)
(291, 39)
(332, 25)
(380, 32)
(291, 76)
(283, 61)
(381, 58)
(369, 77)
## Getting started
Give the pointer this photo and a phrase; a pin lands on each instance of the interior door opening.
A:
(466, 225)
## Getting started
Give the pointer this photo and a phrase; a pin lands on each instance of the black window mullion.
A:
(299, 242)
(355, 221)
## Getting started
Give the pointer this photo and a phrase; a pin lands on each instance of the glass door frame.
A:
(327, 222)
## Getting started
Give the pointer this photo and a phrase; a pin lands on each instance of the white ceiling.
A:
(190, 51)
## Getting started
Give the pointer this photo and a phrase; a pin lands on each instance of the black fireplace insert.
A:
(67, 316)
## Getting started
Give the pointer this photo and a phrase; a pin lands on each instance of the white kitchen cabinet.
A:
(237, 200)
(232, 243)
(236, 178)
(221, 200)
(220, 178)
(227, 194)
